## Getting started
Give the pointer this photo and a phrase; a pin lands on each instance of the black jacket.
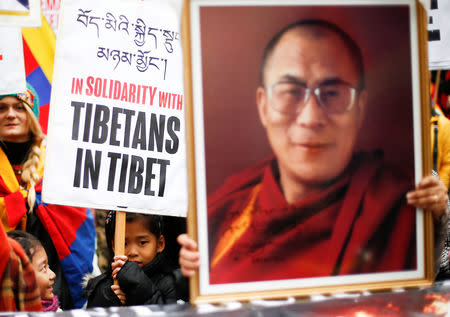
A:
(154, 283)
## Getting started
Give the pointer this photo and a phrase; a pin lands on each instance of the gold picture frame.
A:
(223, 43)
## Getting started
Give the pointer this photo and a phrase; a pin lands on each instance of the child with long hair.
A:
(143, 273)
(45, 277)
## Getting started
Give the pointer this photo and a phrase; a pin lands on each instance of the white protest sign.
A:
(439, 34)
(14, 6)
(116, 135)
(11, 61)
(24, 13)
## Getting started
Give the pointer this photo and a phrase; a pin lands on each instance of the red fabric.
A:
(55, 218)
(14, 204)
(4, 190)
(442, 98)
(31, 63)
(15, 208)
(358, 224)
(19, 290)
(43, 117)
(4, 250)
(27, 294)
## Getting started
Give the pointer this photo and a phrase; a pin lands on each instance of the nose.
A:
(130, 251)
(52, 274)
(11, 112)
(311, 115)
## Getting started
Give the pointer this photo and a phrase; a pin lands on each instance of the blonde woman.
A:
(67, 233)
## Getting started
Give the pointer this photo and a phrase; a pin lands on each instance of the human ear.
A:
(160, 244)
(261, 102)
(362, 101)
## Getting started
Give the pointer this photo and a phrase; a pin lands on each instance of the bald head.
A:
(315, 29)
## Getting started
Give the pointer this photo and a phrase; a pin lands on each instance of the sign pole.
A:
(119, 235)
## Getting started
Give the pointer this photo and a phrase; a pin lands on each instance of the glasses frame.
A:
(313, 91)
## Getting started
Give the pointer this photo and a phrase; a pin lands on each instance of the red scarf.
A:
(19, 290)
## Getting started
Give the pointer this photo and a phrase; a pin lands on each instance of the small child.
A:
(144, 274)
(45, 278)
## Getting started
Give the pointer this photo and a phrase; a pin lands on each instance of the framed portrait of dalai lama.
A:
(307, 125)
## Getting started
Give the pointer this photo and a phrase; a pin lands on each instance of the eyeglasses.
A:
(290, 97)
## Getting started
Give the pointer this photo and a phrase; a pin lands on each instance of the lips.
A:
(313, 145)
(11, 126)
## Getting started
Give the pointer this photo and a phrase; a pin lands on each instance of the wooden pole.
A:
(119, 235)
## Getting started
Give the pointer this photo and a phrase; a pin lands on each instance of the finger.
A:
(187, 255)
(118, 263)
(115, 288)
(422, 197)
(436, 203)
(187, 242)
(120, 292)
(428, 192)
(189, 260)
(190, 265)
(115, 272)
(120, 257)
(187, 273)
(424, 201)
(188, 268)
(427, 181)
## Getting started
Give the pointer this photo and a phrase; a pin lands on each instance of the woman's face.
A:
(14, 124)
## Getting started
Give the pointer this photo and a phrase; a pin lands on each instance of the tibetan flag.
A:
(72, 231)
(39, 53)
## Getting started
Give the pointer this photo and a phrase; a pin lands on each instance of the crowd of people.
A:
(311, 101)
(68, 251)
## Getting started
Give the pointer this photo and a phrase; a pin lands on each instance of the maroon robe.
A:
(359, 224)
